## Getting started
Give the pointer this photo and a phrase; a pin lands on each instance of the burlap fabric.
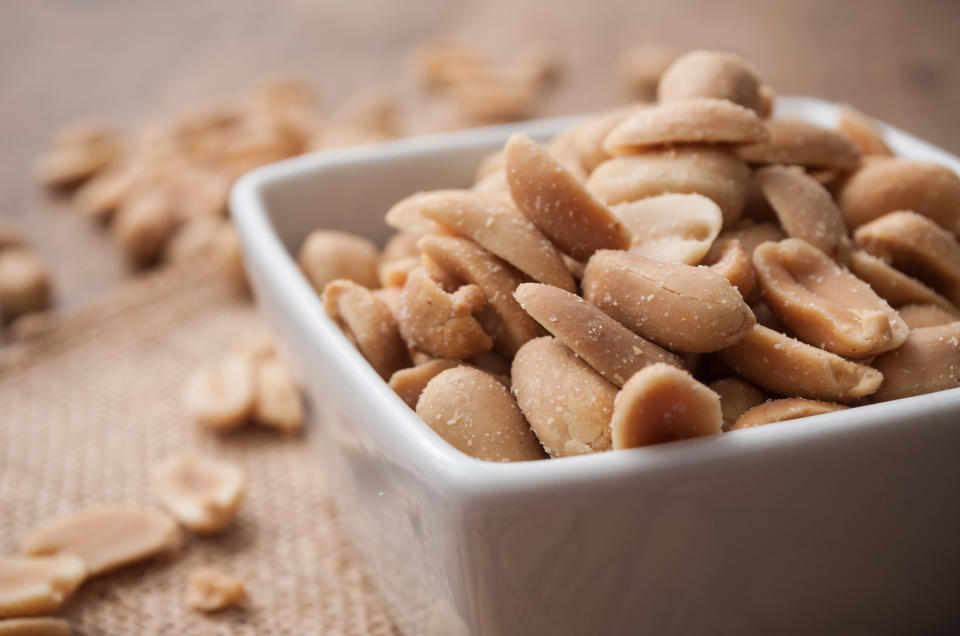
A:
(87, 406)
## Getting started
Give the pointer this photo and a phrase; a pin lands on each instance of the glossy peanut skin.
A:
(928, 361)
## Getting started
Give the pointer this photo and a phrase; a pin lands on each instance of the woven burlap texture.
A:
(89, 405)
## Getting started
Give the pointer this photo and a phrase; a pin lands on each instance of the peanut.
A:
(78, 152)
(734, 264)
(278, 404)
(736, 398)
(220, 395)
(591, 134)
(917, 316)
(144, 223)
(212, 591)
(195, 237)
(675, 228)
(862, 130)
(34, 627)
(783, 410)
(405, 214)
(748, 233)
(33, 586)
(796, 141)
(893, 285)
(327, 255)
(24, 283)
(563, 148)
(201, 493)
(711, 74)
(409, 383)
(928, 361)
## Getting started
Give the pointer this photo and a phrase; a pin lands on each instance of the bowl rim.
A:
(407, 434)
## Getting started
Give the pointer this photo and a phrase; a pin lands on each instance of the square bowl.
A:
(844, 522)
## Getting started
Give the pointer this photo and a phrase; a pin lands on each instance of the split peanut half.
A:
(893, 285)
(202, 494)
(213, 591)
(220, 395)
(278, 403)
(143, 225)
(917, 316)
(734, 263)
(409, 383)
(795, 141)
(34, 627)
(328, 255)
(928, 361)
(34, 586)
(783, 410)
(590, 135)
(863, 131)
(749, 233)
(676, 228)
(24, 283)
(736, 398)
(405, 214)
(714, 74)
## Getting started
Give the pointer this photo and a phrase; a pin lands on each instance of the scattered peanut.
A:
(34, 586)
(278, 404)
(213, 591)
(220, 395)
(783, 410)
(143, 225)
(201, 493)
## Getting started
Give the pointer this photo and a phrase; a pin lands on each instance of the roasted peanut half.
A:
(796, 141)
(887, 184)
(783, 410)
(928, 361)
(220, 395)
(405, 214)
(34, 627)
(591, 134)
(563, 148)
(917, 316)
(823, 303)
(476, 414)
(144, 223)
(394, 273)
(780, 364)
(806, 210)
(439, 323)
(705, 120)
(682, 308)
(606, 345)
(862, 130)
(327, 255)
(893, 285)
(409, 383)
(278, 403)
(748, 233)
(711, 171)
(711, 74)
(568, 404)
(202, 494)
(368, 323)
(737, 396)
(676, 228)
(506, 322)
(33, 586)
(662, 403)
(24, 283)
(503, 231)
(734, 263)
(212, 591)
(105, 538)
(558, 204)
(400, 255)
(915, 244)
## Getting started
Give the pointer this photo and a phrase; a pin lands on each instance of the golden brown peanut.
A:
(195, 237)
(501, 230)
(143, 225)
(405, 214)
(796, 141)
(662, 403)
(33, 586)
(783, 410)
(893, 285)
(887, 184)
(915, 244)
(24, 283)
(713, 172)
(736, 398)
(643, 64)
(220, 395)
(917, 316)
(212, 591)
(507, 323)
(675, 228)
(558, 204)
(439, 323)
(327, 255)
(862, 130)
(445, 279)
(928, 361)
(591, 134)
(34, 627)
(780, 364)
(704, 120)
(567, 403)
(105, 538)
(368, 323)
(711, 74)
(278, 403)
(201, 493)
(823, 303)
(749, 233)
(734, 264)
(563, 148)
(606, 345)
(682, 308)
(409, 383)
(806, 210)
(476, 414)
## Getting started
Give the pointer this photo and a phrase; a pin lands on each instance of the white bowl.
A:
(847, 521)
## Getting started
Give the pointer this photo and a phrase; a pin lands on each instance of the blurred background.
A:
(125, 63)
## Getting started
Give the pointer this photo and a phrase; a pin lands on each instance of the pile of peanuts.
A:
(661, 271)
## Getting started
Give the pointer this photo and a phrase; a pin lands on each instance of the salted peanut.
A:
(77, 155)
(203, 494)
(558, 204)
(928, 361)
(105, 538)
(33, 586)
(394, 273)
(606, 345)
(914, 243)
(887, 184)
(220, 395)
(508, 324)
(662, 403)
(682, 308)
(409, 383)
(591, 134)
(749, 233)
(476, 414)
(495, 184)
(34, 627)
(392, 297)
(711, 171)
(194, 237)
(736, 398)
(734, 263)
(213, 591)
(368, 323)
(893, 285)
(278, 403)
(143, 225)
(823, 303)
(400, 246)
(795, 141)
(445, 279)
(778, 363)
(806, 210)
(327, 255)
(642, 64)
(918, 316)
(405, 214)
(696, 120)
(711, 74)
(501, 230)
(24, 283)
(768, 101)
(568, 404)
(862, 130)
(783, 410)
(675, 228)
(563, 148)
(442, 324)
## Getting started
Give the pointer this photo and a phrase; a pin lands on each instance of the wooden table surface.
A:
(126, 62)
